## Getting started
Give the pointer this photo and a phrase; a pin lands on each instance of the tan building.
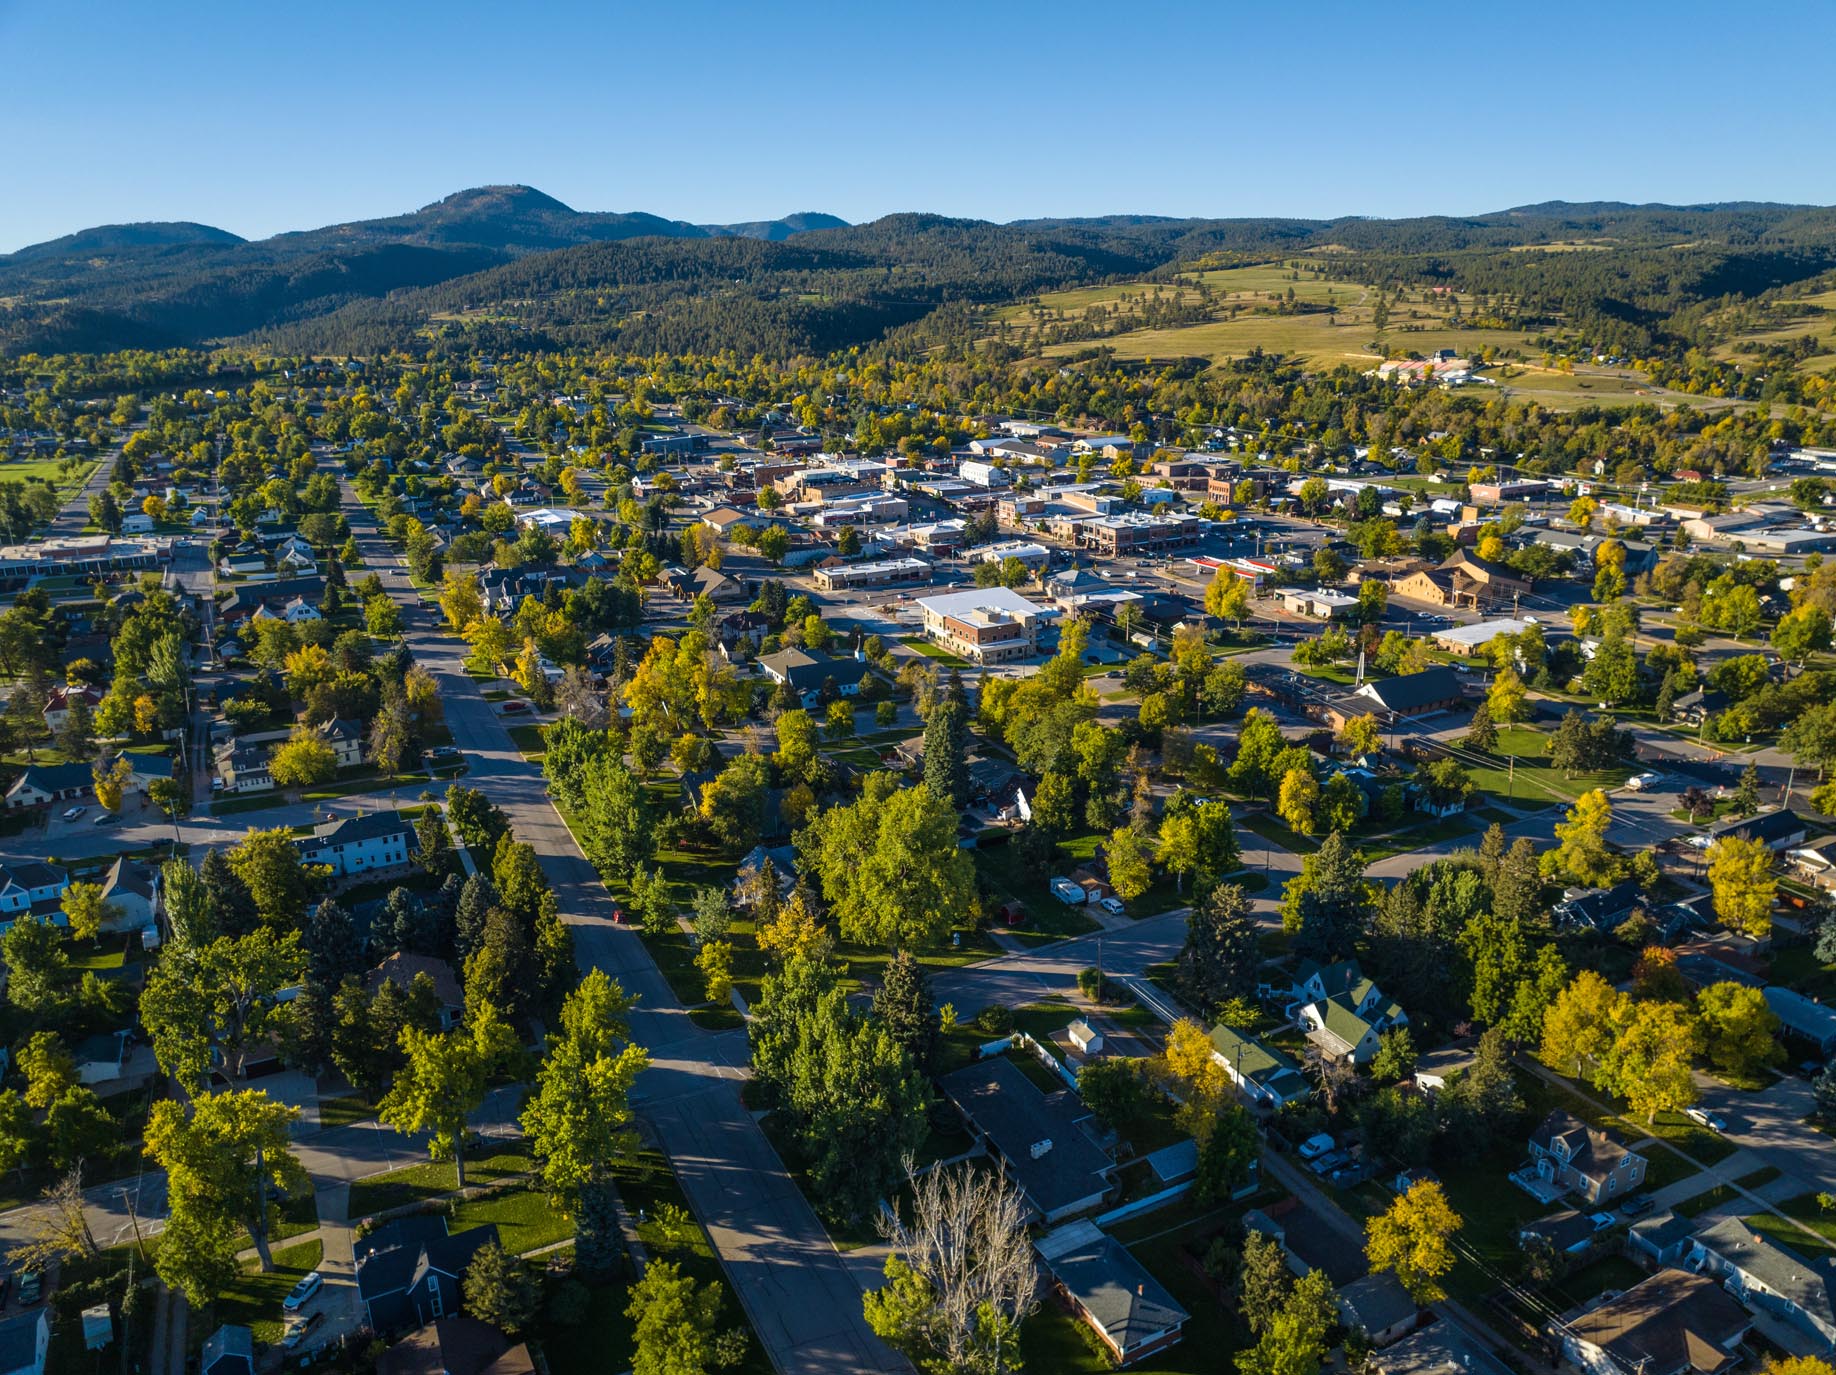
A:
(1463, 580)
(986, 625)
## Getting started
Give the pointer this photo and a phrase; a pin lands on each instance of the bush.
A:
(568, 1303)
(1090, 984)
(997, 1019)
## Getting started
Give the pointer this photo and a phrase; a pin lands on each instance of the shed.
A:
(1087, 1039)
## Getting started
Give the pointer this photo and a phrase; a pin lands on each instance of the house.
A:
(362, 844)
(456, 1346)
(346, 739)
(28, 884)
(1044, 1138)
(402, 968)
(1130, 1311)
(243, 766)
(1313, 980)
(1602, 909)
(1583, 1160)
(1673, 1323)
(145, 768)
(132, 888)
(58, 704)
(1463, 579)
(807, 673)
(137, 523)
(230, 1350)
(986, 625)
(1567, 1233)
(410, 1271)
(43, 785)
(1778, 831)
(249, 598)
(1772, 1280)
(1265, 1076)
(1347, 1025)
(1803, 1018)
(1378, 1306)
(1663, 1238)
(1439, 1068)
(1439, 1349)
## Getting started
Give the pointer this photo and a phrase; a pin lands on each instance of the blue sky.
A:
(264, 118)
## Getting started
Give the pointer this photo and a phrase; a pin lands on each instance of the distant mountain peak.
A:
(494, 200)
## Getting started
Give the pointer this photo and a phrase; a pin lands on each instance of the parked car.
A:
(301, 1329)
(301, 1294)
(106, 819)
(1113, 906)
(1702, 1117)
(1644, 782)
(1601, 1221)
(1315, 1146)
(1638, 1205)
(511, 708)
(1329, 1162)
(72, 813)
(31, 1286)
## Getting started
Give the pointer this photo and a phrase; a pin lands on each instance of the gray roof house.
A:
(1378, 1306)
(1042, 1137)
(230, 1350)
(1129, 1310)
(1803, 1018)
(1775, 1282)
(1579, 1159)
(1439, 1349)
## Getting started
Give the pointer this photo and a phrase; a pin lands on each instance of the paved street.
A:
(801, 1298)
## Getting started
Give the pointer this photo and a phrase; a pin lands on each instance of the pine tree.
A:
(945, 742)
(227, 897)
(476, 900)
(333, 946)
(1219, 960)
(903, 1006)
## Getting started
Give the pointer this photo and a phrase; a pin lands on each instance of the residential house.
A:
(1582, 1160)
(243, 766)
(1803, 1019)
(1045, 1139)
(808, 674)
(1347, 1025)
(1463, 579)
(1771, 1279)
(1601, 909)
(230, 1350)
(456, 1346)
(43, 785)
(1439, 1349)
(1379, 1307)
(249, 598)
(1662, 1239)
(410, 1271)
(368, 843)
(346, 738)
(1263, 1075)
(1439, 1068)
(1130, 1311)
(132, 888)
(29, 884)
(986, 625)
(402, 968)
(1567, 1233)
(1673, 1323)
(58, 704)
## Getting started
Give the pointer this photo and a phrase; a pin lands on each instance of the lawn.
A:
(253, 1299)
(1813, 1248)
(525, 1219)
(1005, 879)
(1590, 1281)
(923, 646)
(1707, 1199)
(344, 1111)
(1532, 779)
(294, 1217)
(528, 739)
(435, 1178)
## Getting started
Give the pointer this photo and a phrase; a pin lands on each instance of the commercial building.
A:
(987, 625)
(835, 577)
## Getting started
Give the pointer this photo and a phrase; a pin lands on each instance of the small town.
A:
(1184, 741)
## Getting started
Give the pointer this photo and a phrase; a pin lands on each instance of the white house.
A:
(364, 844)
(23, 886)
(134, 889)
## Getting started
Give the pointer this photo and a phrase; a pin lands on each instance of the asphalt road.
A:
(803, 1302)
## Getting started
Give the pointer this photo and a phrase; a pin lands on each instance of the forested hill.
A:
(510, 259)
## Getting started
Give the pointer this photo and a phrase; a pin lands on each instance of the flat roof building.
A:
(987, 625)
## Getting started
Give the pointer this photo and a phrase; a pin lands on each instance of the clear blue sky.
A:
(261, 118)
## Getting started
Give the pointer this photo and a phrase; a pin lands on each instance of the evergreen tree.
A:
(476, 900)
(1333, 904)
(1219, 960)
(227, 897)
(903, 1006)
(333, 946)
(945, 743)
(435, 844)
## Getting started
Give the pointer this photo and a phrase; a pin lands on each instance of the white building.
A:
(362, 844)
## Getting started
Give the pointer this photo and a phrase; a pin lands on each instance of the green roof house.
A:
(1345, 1026)
(1263, 1075)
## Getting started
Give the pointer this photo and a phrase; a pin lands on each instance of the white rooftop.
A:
(982, 604)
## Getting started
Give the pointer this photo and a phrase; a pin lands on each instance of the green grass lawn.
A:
(931, 651)
(1708, 1198)
(1006, 880)
(294, 1217)
(435, 1178)
(344, 1111)
(1531, 780)
(528, 739)
(253, 1299)
(525, 1219)
(1818, 1247)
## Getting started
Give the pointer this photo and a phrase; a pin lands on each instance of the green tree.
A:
(268, 864)
(1220, 958)
(87, 912)
(675, 1322)
(903, 1006)
(303, 761)
(890, 868)
(946, 739)
(1506, 700)
(1581, 855)
(444, 1081)
(579, 1118)
(1328, 904)
(225, 1155)
(1739, 1031)
(38, 969)
(1130, 872)
(216, 998)
(500, 1290)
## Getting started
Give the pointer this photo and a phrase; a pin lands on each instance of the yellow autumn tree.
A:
(1414, 1240)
